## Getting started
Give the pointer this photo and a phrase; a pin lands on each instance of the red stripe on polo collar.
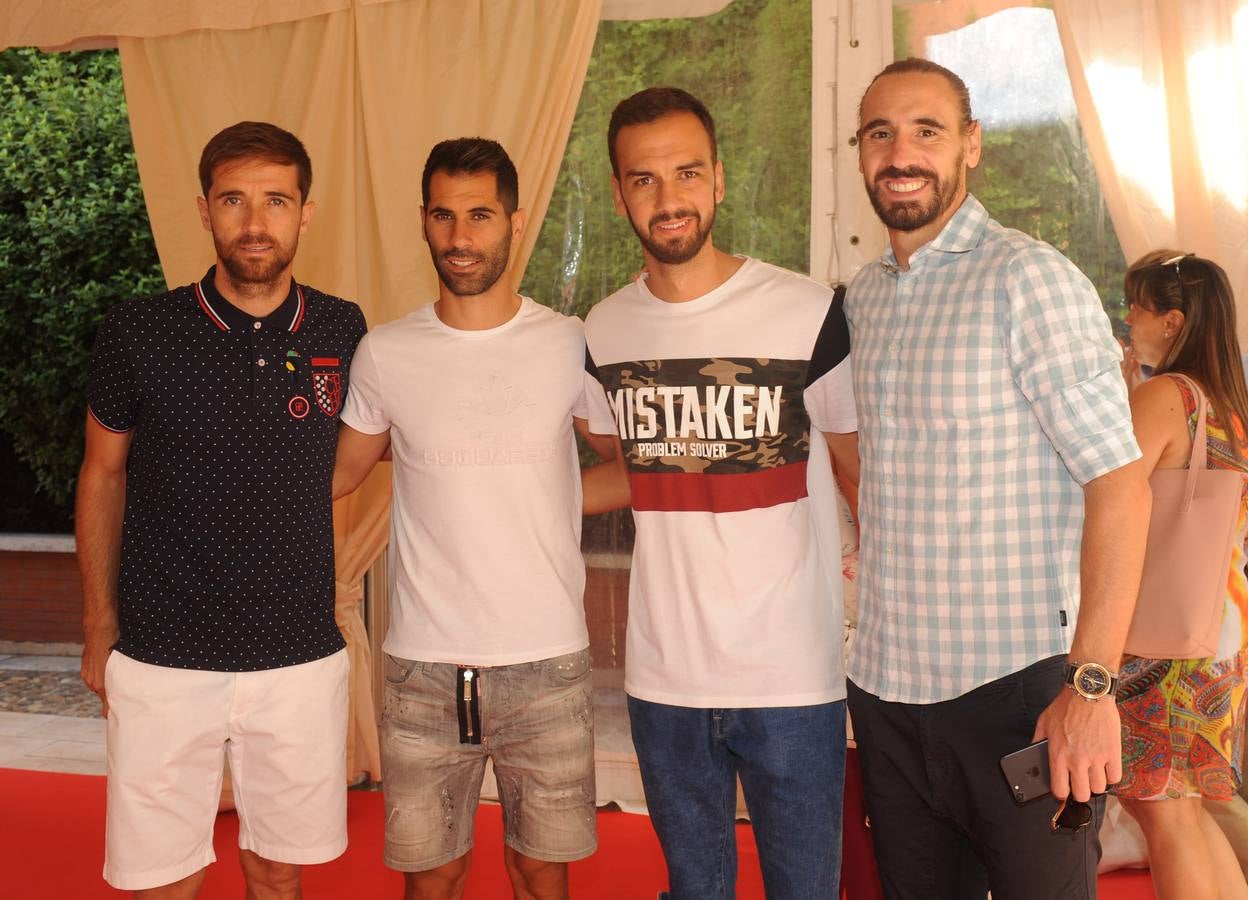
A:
(221, 312)
(303, 304)
(207, 308)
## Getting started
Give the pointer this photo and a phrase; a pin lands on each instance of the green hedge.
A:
(74, 240)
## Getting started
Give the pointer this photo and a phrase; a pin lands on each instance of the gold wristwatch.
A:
(1091, 681)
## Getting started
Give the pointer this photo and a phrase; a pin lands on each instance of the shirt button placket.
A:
(888, 402)
(260, 363)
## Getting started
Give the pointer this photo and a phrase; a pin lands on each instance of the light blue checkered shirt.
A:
(988, 391)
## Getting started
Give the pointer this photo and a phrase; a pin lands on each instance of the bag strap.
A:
(1200, 441)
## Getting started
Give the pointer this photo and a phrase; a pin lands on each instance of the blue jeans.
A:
(791, 761)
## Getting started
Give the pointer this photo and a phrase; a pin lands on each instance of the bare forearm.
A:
(1116, 513)
(357, 454)
(1085, 747)
(99, 510)
(346, 481)
(844, 452)
(850, 490)
(605, 487)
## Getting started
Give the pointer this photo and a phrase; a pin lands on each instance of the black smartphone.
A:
(1027, 771)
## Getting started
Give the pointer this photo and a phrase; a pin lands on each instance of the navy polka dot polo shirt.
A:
(227, 547)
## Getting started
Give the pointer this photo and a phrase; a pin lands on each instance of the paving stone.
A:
(53, 693)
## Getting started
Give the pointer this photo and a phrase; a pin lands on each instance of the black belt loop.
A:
(468, 703)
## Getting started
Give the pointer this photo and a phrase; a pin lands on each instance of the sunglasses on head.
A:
(1073, 815)
(1178, 273)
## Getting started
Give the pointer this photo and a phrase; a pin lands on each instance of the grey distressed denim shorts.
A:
(537, 727)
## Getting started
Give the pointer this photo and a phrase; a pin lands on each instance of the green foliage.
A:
(901, 33)
(751, 65)
(1040, 180)
(74, 240)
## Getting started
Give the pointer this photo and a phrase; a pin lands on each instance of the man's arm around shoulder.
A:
(843, 449)
(605, 486)
(98, 513)
(357, 453)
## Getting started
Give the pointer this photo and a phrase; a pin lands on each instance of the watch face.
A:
(1093, 680)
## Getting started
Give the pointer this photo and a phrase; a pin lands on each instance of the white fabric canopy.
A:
(87, 24)
(1162, 92)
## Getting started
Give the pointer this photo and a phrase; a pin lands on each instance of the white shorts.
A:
(285, 731)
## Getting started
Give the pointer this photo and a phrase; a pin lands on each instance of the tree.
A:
(1040, 180)
(74, 240)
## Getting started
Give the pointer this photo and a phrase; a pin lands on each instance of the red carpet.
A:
(53, 849)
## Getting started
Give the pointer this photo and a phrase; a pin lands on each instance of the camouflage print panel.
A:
(719, 416)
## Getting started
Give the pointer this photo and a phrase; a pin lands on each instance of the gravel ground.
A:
(52, 693)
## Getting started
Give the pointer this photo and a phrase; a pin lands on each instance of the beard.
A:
(470, 284)
(911, 215)
(249, 270)
(674, 251)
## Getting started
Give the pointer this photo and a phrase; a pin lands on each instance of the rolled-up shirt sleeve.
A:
(1065, 361)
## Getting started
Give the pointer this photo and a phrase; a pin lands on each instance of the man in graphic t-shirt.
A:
(477, 396)
(205, 540)
(729, 387)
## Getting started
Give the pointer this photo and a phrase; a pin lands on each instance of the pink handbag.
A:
(1186, 565)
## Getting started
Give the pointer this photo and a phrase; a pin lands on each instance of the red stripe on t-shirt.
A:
(698, 492)
(325, 361)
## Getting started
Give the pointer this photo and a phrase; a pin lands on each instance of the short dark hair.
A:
(655, 103)
(255, 140)
(470, 155)
(915, 65)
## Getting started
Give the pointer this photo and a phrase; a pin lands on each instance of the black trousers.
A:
(943, 820)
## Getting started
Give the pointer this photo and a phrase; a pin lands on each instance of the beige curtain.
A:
(361, 530)
(75, 24)
(1162, 92)
(369, 88)
(84, 24)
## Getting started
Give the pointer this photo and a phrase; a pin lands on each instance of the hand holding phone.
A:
(1027, 771)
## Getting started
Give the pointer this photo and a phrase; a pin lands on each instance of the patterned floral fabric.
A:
(1183, 720)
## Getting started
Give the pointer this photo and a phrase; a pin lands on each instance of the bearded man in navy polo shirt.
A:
(205, 540)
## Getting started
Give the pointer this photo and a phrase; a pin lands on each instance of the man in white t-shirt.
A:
(721, 371)
(476, 396)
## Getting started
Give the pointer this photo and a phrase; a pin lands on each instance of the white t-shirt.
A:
(735, 594)
(485, 528)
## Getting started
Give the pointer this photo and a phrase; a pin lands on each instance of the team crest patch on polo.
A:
(327, 384)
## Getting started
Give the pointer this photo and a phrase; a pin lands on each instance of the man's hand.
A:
(1085, 744)
(95, 653)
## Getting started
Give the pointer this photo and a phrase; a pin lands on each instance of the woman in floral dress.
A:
(1183, 720)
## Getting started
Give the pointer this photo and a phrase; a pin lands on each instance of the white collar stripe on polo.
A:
(298, 319)
(206, 306)
(202, 296)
